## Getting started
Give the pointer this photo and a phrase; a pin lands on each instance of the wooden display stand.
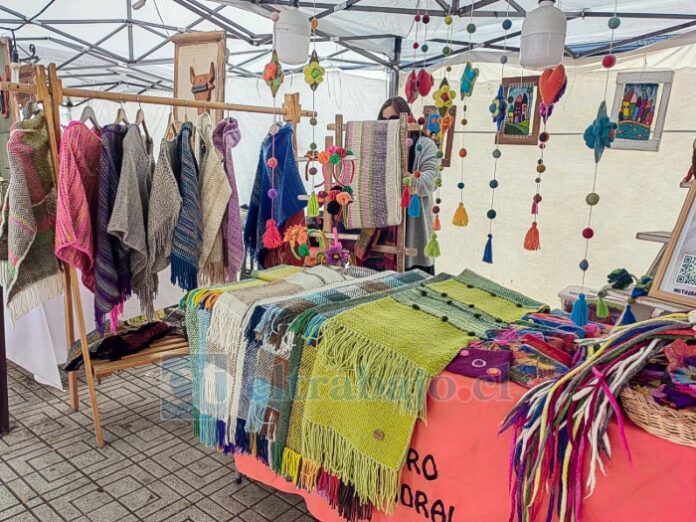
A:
(400, 249)
(49, 93)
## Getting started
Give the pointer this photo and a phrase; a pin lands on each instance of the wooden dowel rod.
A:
(412, 127)
(175, 102)
(18, 87)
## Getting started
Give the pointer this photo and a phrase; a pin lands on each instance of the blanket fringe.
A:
(308, 475)
(30, 297)
(373, 481)
(375, 368)
(290, 465)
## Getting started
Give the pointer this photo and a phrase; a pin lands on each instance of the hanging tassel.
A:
(488, 251)
(406, 197)
(461, 218)
(628, 317)
(271, 237)
(531, 240)
(313, 205)
(432, 249)
(601, 310)
(414, 207)
(535, 208)
(581, 311)
(436, 223)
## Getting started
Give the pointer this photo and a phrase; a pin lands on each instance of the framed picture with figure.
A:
(639, 110)
(675, 280)
(522, 120)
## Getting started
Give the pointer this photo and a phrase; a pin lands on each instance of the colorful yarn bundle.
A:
(598, 136)
(561, 424)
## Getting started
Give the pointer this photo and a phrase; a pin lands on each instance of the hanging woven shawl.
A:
(129, 214)
(215, 198)
(225, 137)
(188, 232)
(288, 184)
(111, 263)
(29, 215)
(379, 166)
(363, 438)
(80, 149)
(165, 204)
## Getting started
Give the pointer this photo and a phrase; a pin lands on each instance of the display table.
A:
(457, 468)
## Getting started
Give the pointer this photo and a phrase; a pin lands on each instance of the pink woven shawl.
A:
(80, 149)
(225, 136)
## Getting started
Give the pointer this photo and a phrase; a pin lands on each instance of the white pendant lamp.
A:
(543, 37)
(292, 33)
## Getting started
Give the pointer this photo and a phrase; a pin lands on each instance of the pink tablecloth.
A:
(457, 467)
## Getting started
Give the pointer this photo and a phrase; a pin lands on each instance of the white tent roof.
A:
(106, 43)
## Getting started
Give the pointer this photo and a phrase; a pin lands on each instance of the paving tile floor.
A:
(152, 467)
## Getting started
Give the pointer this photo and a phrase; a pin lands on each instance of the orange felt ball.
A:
(462, 152)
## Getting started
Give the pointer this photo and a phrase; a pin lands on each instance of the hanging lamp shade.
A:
(292, 33)
(543, 37)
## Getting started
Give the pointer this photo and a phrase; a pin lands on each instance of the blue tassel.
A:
(414, 207)
(488, 251)
(628, 317)
(581, 311)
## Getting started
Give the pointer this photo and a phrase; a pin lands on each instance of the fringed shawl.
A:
(129, 214)
(165, 204)
(111, 264)
(288, 185)
(188, 232)
(226, 136)
(215, 198)
(80, 149)
(381, 156)
(386, 353)
(29, 215)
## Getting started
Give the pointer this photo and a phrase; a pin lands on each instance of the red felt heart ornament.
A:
(425, 82)
(552, 84)
(411, 87)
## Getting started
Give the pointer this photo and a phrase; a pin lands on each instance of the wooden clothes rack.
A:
(50, 92)
(400, 249)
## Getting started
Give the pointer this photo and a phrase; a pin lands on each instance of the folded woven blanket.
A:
(381, 153)
(29, 216)
(371, 381)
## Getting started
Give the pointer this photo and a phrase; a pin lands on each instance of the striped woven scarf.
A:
(29, 214)
(111, 264)
(188, 232)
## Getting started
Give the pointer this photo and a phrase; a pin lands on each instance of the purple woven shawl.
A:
(225, 137)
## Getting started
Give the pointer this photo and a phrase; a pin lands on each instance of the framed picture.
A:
(521, 125)
(199, 71)
(675, 280)
(640, 106)
(433, 126)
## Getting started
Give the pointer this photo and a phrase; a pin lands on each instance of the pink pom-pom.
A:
(271, 237)
(275, 16)
(409, 142)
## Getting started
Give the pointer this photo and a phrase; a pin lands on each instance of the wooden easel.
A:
(50, 92)
(400, 249)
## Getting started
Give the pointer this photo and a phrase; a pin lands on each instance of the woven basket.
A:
(678, 426)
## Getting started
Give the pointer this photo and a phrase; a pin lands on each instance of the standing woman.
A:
(422, 156)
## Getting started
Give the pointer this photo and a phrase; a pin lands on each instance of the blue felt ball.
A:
(491, 214)
(503, 59)
(424, 48)
(493, 183)
(471, 28)
(507, 24)
(460, 185)
(614, 22)
(419, 148)
(584, 265)
(446, 50)
(496, 153)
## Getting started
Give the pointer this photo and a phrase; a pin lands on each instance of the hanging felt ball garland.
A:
(598, 136)
(419, 82)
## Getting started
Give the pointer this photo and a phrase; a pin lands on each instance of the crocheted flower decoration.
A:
(468, 80)
(444, 97)
(336, 255)
(273, 74)
(313, 72)
(296, 235)
(599, 135)
(343, 198)
(498, 108)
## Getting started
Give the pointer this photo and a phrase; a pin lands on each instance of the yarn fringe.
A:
(601, 310)
(212, 274)
(184, 275)
(432, 248)
(33, 295)
(414, 207)
(436, 223)
(406, 197)
(313, 205)
(531, 240)
(271, 237)
(488, 250)
(391, 376)
(628, 316)
(373, 481)
(581, 311)
(309, 473)
(290, 465)
(460, 218)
